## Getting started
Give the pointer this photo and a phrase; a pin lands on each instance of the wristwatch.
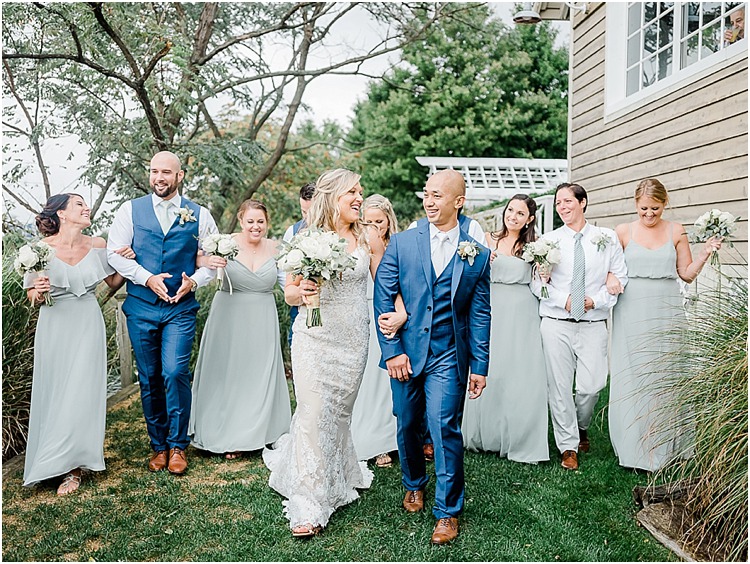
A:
(194, 286)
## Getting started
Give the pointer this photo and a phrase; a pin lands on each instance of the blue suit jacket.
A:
(406, 269)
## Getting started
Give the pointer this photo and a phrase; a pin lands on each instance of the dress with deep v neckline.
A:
(240, 396)
(642, 433)
(69, 387)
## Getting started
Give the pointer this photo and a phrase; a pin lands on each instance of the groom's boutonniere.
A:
(467, 250)
(601, 241)
(186, 214)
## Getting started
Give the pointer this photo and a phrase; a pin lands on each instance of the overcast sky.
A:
(328, 97)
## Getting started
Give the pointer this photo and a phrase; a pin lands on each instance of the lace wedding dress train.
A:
(315, 465)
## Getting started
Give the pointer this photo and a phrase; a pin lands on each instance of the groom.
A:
(163, 229)
(446, 337)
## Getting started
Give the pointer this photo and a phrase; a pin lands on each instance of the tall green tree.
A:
(129, 79)
(472, 87)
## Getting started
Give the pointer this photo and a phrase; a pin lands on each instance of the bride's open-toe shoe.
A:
(306, 530)
(384, 460)
(70, 483)
(233, 455)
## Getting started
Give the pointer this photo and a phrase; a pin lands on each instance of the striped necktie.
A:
(578, 286)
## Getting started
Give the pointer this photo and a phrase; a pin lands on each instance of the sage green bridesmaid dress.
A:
(510, 417)
(643, 434)
(69, 387)
(240, 396)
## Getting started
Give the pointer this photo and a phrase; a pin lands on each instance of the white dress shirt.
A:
(598, 264)
(121, 235)
(475, 231)
(451, 247)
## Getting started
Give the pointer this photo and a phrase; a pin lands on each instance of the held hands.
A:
(614, 286)
(588, 304)
(399, 367)
(476, 385)
(390, 323)
(156, 284)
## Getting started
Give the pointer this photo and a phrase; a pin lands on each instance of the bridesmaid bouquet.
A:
(714, 223)
(223, 246)
(545, 254)
(315, 255)
(35, 257)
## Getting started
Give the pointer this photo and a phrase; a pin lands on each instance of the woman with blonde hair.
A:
(657, 253)
(315, 465)
(240, 397)
(373, 422)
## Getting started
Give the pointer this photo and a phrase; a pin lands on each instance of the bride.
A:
(315, 465)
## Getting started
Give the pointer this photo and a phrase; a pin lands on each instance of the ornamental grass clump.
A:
(704, 388)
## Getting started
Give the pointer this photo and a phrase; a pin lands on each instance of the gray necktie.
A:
(164, 216)
(441, 253)
(578, 286)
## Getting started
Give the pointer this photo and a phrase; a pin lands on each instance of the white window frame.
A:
(616, 102)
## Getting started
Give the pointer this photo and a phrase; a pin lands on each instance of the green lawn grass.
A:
(224, 511)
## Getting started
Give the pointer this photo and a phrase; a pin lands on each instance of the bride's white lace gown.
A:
(315, 465)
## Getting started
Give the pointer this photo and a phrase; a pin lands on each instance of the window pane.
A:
(664, 6)
(649, 13)
(665, 63)
(634, 17)
(634, 49)
(690, 51)
(711, 39)
(649, 39)
(666, 29)
(632, 80)
(734, 24)
(691, 18)
(711, 11)
(649, 72)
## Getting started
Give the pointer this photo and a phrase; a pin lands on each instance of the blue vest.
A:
(297, 226)
(174, 252)
(442, 333)
(464, 221)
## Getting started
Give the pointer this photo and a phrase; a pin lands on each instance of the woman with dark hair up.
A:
(240, 396)
(510, 417)
(69, 388)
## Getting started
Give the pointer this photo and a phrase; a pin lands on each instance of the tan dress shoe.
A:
(569, 460)
(446, 530)
(158, 461)
(177, 461)
(414, 501)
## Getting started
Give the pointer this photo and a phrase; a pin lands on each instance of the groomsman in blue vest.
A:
(163, 229)
(443, 276)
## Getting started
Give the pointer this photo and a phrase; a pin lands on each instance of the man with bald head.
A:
(443, 276)
(163, 228)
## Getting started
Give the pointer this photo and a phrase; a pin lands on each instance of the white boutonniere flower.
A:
(601, 241)
(467, 250)
(186, 214)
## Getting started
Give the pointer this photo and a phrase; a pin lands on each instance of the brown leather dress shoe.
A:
(429, 452)
(177, 461)
(446, 530)
(414, 501)
(570, 460)
(158, 461)
(584, 445)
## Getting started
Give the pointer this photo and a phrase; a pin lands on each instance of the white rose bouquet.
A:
(545, 254)
(224, 246)
(714, 223)
(315, 255)
(35, 257)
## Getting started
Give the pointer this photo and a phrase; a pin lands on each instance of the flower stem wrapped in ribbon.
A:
(545, 254)
(35, 257)
(315, 255)
(224, 246)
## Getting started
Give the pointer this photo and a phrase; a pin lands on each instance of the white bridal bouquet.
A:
(35, 257)
(714, 223)
(545, 254)
(224, 246)
(315, 255)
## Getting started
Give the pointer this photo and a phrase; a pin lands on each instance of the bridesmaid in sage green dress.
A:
(510, 417)
(240, 396)
(69, 387)
(657, 252)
